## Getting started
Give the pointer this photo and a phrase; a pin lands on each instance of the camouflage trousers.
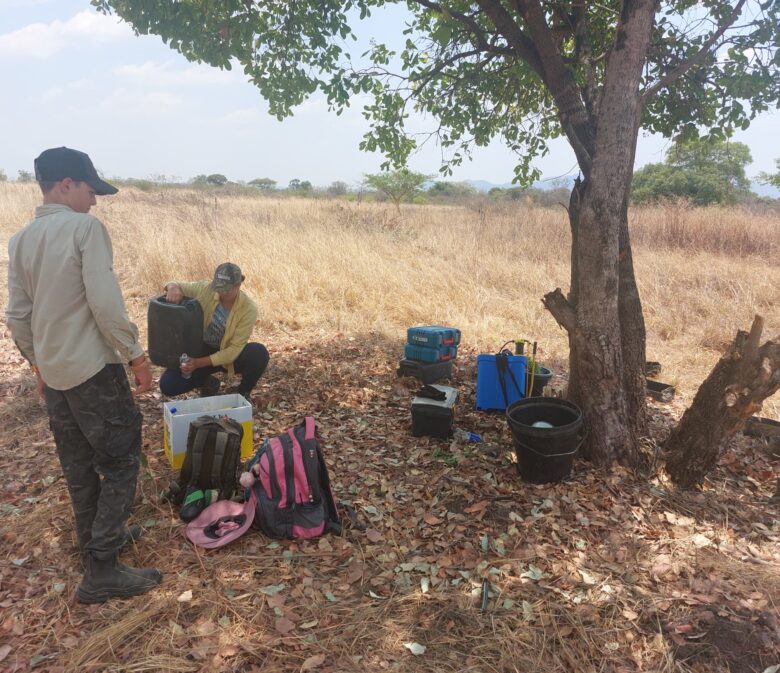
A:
(97, 430)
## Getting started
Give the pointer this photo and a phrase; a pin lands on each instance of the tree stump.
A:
(735, 389)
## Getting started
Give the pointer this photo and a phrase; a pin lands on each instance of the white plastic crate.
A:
(178, 414)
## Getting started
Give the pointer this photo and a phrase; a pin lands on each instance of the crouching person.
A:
(67, 316)
(229, 315)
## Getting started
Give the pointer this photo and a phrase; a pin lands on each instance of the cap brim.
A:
(102, 188)
(221, 288)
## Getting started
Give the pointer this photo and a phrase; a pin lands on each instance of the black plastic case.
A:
(427, 372)
(434, 418)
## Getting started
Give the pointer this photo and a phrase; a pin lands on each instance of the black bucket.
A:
(542, 376)
(545, 454)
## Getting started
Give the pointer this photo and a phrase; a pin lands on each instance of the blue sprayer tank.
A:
(174, 329)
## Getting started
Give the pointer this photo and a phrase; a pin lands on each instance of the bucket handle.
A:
(583, 437)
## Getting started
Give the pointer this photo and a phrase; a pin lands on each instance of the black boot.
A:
(107, 578)
(132, 533)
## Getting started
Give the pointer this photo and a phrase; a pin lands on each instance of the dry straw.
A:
(324, 267)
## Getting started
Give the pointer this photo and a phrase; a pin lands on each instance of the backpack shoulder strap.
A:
(310, 428)
(220, 442)
(198, 446)
(333, 520)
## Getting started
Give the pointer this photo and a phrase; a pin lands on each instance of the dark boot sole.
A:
(91, 597)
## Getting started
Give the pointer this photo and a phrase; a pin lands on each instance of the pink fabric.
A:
(302, 493)
(275, 445)
(226, 531)
(299, 531)
(309, 425)
(264, 473)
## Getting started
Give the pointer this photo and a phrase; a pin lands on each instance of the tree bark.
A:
(735, 389)
(603, 313)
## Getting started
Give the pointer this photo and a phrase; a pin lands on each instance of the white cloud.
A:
(137, 104)
(245, 116)
(54, 92)
(8, 4)
(42, 40)
(156, 74)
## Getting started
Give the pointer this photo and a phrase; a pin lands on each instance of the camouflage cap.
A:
(226, 277)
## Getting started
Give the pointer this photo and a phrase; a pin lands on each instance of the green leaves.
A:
(398, 185)
(708, 66)
(703, 171)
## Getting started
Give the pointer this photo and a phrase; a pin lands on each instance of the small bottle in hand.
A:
(183, 360)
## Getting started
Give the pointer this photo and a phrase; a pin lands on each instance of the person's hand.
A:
(188, 367)
(142, 374)
(173, 293)
(195, 363)
(41, 384)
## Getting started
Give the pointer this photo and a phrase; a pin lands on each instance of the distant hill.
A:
(485, 186)
(765, 190)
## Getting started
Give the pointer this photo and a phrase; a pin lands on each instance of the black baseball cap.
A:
(59, 163)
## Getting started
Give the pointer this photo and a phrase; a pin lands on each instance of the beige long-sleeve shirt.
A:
(65, 309)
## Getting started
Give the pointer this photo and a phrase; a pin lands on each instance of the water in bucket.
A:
(546, 433)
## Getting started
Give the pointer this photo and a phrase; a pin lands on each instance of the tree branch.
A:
(686, 65)
(523, 46)
(574, 117)
(561, 310)
(469, 22)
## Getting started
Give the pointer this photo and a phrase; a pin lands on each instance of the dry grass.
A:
(629, 566)
(324, 267)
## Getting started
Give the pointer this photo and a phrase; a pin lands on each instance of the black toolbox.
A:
(434, 418)
(427, 372)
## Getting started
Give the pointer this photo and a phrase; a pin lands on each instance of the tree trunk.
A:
(603, 314)
(632, 324)
(735, 389)
(633, 335)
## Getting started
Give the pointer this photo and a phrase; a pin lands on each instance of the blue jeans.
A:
(250, 363)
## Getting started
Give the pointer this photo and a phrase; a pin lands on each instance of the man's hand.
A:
(195, 363)
(142, 373)
(173, 293)
(41, 385)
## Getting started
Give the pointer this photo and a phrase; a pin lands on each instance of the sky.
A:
(74, 77)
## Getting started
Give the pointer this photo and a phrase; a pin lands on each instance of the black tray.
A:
(663, 392)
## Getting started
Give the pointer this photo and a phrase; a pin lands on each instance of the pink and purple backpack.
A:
(289, 486)
(288, 494)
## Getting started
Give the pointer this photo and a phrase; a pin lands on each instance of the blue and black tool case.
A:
(433, 336)
(432, 354)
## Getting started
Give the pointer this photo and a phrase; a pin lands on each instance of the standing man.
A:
(229, 315)
(68, 318)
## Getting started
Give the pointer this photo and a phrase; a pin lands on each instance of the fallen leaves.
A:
(568, 560)
(284, 625)
(313, 662)
(415, 648)
(477, 507)
(373, 535)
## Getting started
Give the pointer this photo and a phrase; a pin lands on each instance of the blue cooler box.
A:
(425, 354)
(433, 336)
(489, 394)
